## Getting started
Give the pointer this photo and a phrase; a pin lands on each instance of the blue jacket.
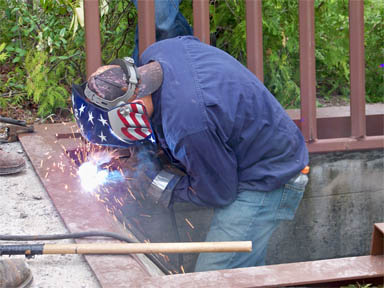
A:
(219, 123)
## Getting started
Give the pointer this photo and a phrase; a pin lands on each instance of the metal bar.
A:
(92, 36)
(146, 19)
(377, 247)
(346, 144)
(332, 271)
(201, 20)
(357, 67)
(307, 69)
(254, 38)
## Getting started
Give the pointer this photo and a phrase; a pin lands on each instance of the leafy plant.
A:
(42, 84)
(3, 55)
(53, 30)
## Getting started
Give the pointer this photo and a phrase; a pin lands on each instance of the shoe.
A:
(14, 273)
(10, 163)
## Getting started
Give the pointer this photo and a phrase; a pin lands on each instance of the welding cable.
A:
(174, 224)
(116, 236)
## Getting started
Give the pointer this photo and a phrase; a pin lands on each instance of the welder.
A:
(239, 151)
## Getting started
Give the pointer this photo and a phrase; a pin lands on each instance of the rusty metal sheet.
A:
(294, 274)
(79, 211)
(377, 247)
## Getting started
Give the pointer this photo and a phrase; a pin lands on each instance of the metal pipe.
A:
(146, 19)
(255, 37)
(307, 70)
(92, 35)
(357, 68)
(201, 20)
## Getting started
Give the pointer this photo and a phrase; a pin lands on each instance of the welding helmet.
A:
(101, 109)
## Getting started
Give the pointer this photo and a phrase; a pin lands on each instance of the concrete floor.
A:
(26, 209)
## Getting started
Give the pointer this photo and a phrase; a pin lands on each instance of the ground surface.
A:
(25, 208)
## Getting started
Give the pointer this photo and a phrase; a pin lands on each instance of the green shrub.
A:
(50, 29)
(43, 84)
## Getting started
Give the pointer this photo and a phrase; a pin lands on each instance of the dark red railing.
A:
(323, 130)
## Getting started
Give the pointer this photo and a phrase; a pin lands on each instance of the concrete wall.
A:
(344, 198)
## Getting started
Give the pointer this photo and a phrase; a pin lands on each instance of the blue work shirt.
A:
(220, 124)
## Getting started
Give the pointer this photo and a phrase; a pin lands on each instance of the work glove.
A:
(150, 173)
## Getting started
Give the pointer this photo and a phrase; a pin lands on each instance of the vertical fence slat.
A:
(357, 66)
(201, 20)
(254, 37)
(92, 35)
(307, 69)
(146, 22)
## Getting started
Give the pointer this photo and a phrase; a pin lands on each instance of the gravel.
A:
(26, 209)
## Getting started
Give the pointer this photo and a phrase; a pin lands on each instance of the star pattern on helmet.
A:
(90, 118)
(124, 130)
(102, 137)
(102, 120)
(81, 109)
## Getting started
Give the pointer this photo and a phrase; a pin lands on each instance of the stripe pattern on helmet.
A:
(136, 124)
(121, 127)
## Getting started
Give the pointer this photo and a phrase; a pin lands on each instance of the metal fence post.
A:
(255, 38)
(357, 68)
(146, 19)
(201, 20)
(307, 70)
(92, 35)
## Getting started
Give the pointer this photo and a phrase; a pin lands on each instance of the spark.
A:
(189, 223)
(189, 236)
(193, 191)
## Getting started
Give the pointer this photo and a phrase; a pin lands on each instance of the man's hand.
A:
(149, 172)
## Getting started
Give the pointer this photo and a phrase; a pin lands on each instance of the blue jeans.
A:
(169, 23)
(253, 216)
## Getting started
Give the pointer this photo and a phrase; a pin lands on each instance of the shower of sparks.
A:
(92, 175)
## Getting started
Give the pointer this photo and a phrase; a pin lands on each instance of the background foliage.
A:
(42, 47)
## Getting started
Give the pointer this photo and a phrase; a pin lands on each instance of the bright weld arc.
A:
(93, 176)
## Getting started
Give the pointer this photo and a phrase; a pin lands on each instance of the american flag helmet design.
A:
(120, 127)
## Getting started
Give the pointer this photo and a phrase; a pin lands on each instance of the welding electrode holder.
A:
(29, 250)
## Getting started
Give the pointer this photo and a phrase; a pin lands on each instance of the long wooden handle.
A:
(145, 248)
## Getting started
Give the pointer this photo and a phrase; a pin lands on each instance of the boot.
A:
(14, 273)
(10, 163)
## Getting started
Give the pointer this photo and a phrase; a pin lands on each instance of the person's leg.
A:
(169, 23)
(253, 216)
